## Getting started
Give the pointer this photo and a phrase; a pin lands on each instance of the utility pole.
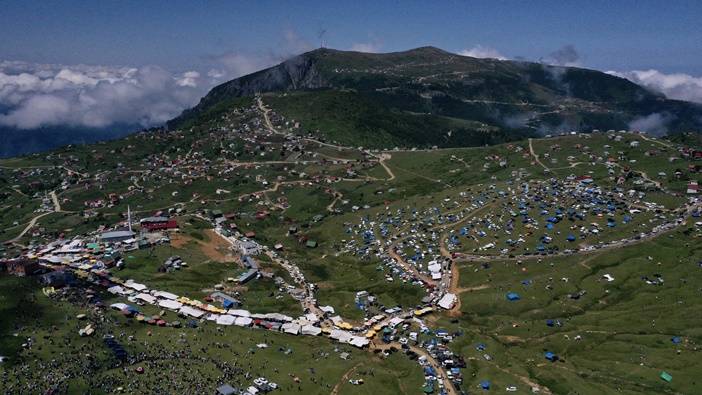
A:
(129, 218)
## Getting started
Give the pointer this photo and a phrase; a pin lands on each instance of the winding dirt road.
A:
(536, 157)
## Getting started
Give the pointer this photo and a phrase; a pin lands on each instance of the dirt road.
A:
(536, 157)
(440, 370)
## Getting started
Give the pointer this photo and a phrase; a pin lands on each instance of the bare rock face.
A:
(299, 72)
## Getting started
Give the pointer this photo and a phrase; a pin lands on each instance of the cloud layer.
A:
(564, 56)
(482, 52)
(675, 86)
(655, 124)
(36, 95)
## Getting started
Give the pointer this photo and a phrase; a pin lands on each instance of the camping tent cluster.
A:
(543, 216)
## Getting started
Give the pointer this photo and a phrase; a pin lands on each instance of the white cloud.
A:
(655, 124)
(36, 95)
(369, 47)
(37, 111)
(482, 52)
(564, 56)
(294, 44)
(189, 78)
(675, 86)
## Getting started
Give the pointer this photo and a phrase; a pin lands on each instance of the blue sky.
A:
(178, 35)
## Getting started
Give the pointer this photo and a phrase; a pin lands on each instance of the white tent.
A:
(434, 266)
(311, 317)
(327, 309)
(243, 321)
(226, 320)
(310, 330)
(239, 313)
(341, 336)
(358, 341)
(191, 311)
(165, 295)
(447, 301)
(116, 290)
(290, 328)
(119, 306)
(170, 304)
(136, 286)
(146, 298)
(395, 321)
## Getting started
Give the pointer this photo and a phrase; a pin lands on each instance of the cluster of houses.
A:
(260, 385)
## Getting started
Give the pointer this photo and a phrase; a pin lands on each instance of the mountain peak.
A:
(428, 50)
(506, 96)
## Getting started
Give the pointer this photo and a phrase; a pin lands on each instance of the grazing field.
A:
(617, 335)
(297, 364)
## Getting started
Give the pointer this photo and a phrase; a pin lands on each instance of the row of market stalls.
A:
(308, 325)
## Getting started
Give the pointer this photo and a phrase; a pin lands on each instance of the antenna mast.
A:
(320, 35)
(129, 218)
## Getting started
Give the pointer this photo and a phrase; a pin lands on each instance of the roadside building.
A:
(23, 267)
(248, 276)
(248, 247)
(225, 300)
(158, 223)
(116, 236)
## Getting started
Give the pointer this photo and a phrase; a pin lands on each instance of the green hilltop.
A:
(426, 96)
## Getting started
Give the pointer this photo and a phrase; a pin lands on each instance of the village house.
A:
(22, 267)
(158, 223)
(116, 236)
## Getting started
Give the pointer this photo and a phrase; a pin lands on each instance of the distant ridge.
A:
(513, 98)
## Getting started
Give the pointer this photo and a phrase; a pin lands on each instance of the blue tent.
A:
(485, 384)
(549, 323)
(549, 226)
(676, 340)
(131, 309)
(551, 356)
(571, 238)
(512, 296)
